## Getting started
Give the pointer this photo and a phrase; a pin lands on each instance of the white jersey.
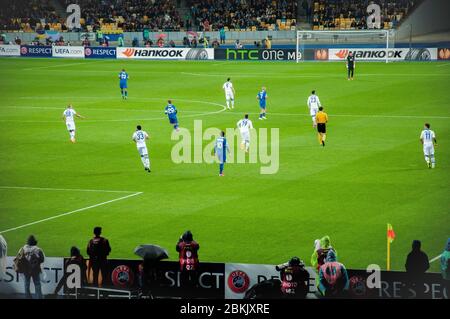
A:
(427, 136)
(228, 87)
(245, 125)
(139, 137)
(313, 103)
(69, 115)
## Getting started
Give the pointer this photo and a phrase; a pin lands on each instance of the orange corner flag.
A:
(390, 233)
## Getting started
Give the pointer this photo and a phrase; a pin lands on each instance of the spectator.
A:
(268, 43)
(186, 42)
(18, 41)
(222, 35)
(28, 261)
(321, 249)
(215, 44)
(160, 42)
(75, 259)
(86, 42)
(333, 277)
(294, 278)
(135, 42)
(121, 42)
(416, 265)
(445, 265)
(194, 42)
(238, 45)
(98, 250)
(3, 256)
(187, 249)
(171, 44)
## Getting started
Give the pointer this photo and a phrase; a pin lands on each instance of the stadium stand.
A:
(248, 15)
(351, 14)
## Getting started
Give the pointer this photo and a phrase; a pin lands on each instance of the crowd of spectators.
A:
(130, 15)
(27, 15)
(351, 14)
(210, 15)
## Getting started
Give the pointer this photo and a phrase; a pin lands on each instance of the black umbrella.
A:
(151, 252)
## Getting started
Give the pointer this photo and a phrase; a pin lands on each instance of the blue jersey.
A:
(262, 96)
(171, 112)
(221, 148)
(123, 76)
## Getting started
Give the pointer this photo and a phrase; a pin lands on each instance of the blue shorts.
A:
(123, 85)
(262, 106)
(173, 120)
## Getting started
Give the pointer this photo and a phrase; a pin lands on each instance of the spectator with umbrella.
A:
(148, 270)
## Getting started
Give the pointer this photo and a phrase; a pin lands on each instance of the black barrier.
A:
(398, 285)
(168, 282)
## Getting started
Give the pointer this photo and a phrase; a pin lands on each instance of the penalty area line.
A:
(71, 212)
(66, 189)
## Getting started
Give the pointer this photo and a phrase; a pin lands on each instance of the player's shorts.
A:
(222, 158)
(70, 126)
(321, 128)
(173, 120)
(123, 85)
(262, 106)
(229, 96)
(142, 151)
(428, 150)
(245, 136)
(313, 112)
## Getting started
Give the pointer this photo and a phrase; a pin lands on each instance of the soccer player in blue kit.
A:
(171, 112)
(123, 78)
(262, 97)
(220, 149)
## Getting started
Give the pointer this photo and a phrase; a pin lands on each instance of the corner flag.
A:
(390, 239)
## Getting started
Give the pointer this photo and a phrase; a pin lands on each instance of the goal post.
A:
(332, 45)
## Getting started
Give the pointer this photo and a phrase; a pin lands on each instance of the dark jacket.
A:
(417, 262)
(98, 249)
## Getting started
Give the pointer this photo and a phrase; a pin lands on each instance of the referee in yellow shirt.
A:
(321, 120)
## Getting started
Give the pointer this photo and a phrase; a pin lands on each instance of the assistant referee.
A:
(321, 120)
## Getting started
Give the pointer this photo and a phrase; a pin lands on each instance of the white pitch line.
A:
(434, 259)
(65, 189)
(59, 65)
(69, 213)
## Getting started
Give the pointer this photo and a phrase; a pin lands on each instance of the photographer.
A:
(294, 279)
(188, 248)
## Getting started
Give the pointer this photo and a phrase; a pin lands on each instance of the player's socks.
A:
(264, 115)
(232, 104)
(319, 137)
(324, 137)
(221, 168)
(433, 161)
(228, 105)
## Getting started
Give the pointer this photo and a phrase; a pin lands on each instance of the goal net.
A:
(366, 45)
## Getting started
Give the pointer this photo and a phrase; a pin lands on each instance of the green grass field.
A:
(371, 172)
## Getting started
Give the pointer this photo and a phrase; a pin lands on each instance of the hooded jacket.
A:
(320, 251)
(333, 277)
(445, 262)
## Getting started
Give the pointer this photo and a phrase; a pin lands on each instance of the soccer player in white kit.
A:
(68, 116)
(428, 140)
(245, 125)
(229, 93)
(313, 105)
(139, 137)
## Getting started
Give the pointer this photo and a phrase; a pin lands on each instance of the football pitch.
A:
(371, 171)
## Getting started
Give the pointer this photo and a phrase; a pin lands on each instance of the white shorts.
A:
(70, 126)
(245, 136)
(313, 113)
(229, 96)
(142, 151)
(428, 150)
